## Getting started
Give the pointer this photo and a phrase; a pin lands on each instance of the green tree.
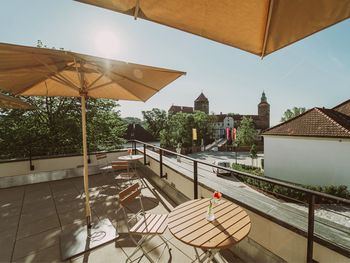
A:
(54, 127)
(246, 132)
(253, 153)
(155, 120)
(132, 120)
(291, 113)
(179, 129)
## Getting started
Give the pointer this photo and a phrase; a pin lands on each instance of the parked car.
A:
(225, 164)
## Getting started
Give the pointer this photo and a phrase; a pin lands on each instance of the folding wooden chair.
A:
(147, 225)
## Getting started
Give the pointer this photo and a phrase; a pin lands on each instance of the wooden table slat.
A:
(208, 231)
(203, 226)
(183, 210)
(219, 211)
(189, 225)
(194, 214)
(234, 235)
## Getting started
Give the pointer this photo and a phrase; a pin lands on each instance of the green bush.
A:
(287, 193)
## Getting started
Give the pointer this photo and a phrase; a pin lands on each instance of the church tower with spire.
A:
(264, 111)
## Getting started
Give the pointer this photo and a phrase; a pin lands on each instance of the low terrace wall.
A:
(18, 172)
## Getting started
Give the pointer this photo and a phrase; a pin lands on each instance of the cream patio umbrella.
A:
(8, 102)
(34, 71)
(257, 26)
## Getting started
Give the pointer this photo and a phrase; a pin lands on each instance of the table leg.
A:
(212, 253)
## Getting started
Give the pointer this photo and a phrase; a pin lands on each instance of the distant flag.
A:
(194, 134)
(228, 134)
(234, 131)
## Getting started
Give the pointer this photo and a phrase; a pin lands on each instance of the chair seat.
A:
(156, 224)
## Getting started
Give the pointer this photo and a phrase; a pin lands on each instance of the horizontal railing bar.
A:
(272, 181)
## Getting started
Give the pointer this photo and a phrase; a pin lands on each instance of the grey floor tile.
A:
(27, 229)
(9, 211)
(11, 194)
(37, 196)
(6, 245)
(34, 215)
(73, 216)
(50, 254)
(40, 187)
(36, 206)
(68, 206)
(35, 243)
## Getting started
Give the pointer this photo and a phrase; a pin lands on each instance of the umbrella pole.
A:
(85, 158)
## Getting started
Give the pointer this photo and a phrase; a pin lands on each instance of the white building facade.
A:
(311, 149)
(220, 127)
(307, 160)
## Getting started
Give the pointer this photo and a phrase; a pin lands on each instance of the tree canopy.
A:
(133, 120)
(179, 127)
(54, 127)
(154, 121)
(246, 133)
(292, 113)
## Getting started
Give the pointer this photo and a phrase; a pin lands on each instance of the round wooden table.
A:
(188, 223)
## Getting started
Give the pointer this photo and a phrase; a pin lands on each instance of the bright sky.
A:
(312, 72)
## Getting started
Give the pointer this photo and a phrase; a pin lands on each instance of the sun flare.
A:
(106, 42)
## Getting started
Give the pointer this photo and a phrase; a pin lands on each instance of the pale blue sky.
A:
(312, 72)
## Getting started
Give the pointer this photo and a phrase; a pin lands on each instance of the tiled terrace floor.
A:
(33, 216)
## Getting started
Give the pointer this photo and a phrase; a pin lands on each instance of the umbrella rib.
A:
(97, 79)
(55, 78)
(135, 81)
(99, 86)
(58, 73)
(267, 28)
(137, 8)
(105, 84)
(122, 76)
(61, 81)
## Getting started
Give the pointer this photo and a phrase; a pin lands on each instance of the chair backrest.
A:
(102, 160)
(129, 194)
(100, 156)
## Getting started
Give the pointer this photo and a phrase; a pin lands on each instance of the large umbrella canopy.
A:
(46, 72)
(8, 102)
(257, 26)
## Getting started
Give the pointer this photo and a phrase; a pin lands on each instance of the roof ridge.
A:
(321, 110)
(287, 121)
(341, 104)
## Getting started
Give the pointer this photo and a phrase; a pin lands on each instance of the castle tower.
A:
(202, 103)
(264, 111)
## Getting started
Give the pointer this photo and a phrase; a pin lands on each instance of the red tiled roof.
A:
(175, 109)
(316, 122)
(343, 107)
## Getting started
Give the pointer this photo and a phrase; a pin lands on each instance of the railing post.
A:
(310, 229)
(195, 179)
(134, 147)
(161, 163)
(144, 154)
(31, 166)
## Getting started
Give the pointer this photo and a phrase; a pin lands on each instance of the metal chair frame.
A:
(126, 196)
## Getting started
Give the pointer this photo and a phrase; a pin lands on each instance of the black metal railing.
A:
(311, 195)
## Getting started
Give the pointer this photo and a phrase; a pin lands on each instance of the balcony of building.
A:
(41, 197)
